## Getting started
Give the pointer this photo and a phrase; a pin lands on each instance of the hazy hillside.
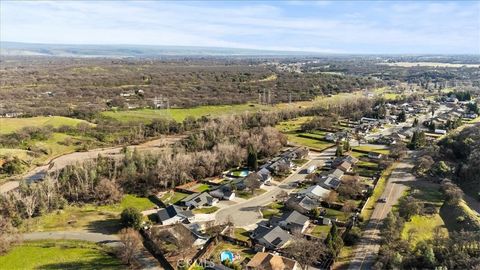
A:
(17, 48)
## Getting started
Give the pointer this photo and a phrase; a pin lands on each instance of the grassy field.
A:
(422, 227)
(9, 125)
(179, 114)
(311, 143)
(59, 254)
(292, 125)
(88, 217)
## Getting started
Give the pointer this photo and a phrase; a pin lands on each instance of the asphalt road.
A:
(367, 249)
(247, 212)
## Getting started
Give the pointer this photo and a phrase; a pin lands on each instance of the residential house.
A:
(265, 175)
(174, 214)
(224, 192)
(291, 221)
(315, 192)
(375, 155)
(271, 238)
(197, 200)
(345, 166)
(269, 261)
(302, 203)
(330, 182)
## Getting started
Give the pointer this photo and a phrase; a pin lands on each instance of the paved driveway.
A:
(247, 212)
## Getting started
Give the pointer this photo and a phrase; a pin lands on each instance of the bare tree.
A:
(331, 197)
(306, 252)
(131, 241)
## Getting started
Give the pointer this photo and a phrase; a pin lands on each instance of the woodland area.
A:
(69, 86)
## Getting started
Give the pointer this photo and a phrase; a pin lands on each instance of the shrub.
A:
(131, 217)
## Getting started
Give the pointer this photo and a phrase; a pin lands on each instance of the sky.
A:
(317, 26)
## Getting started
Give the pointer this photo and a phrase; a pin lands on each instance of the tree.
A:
(8, 235)
(408, 207)
(452, 192)
(353, 236)
(423, 165)
(346, 146)
(252, 182)
(402, 117)
(418, 140)
(415, 122)
(334, 241)
(304, 251)
(348, 207)
(339, 151)
(252, 158)
(331, 197)
(131, 243)
(131, 217)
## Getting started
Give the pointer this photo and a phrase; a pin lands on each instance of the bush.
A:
(460, 219)
(131, 217)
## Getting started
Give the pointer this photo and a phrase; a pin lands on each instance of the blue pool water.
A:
(226, 254)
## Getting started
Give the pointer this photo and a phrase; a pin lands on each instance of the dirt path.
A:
(72, 158)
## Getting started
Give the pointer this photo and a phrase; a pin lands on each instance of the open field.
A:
(422, 228)
(88, 217)
(59, 254)
(179, 114)
(173, 197)
(8, 125)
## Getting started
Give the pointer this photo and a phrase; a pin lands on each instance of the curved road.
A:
(247, 212)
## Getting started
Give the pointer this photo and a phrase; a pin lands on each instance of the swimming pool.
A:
(226, 255)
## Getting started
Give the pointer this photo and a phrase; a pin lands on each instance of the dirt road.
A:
(78, 157)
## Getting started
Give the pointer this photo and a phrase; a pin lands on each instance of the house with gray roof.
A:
(174, 214)
(315, 192)
(198, 200)
(291, 221)
(271, 238)
(302, 203)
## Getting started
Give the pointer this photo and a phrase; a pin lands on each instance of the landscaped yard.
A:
(320, 231)
(59, 254)
(200, 187)
(240, 252)
(316, 144)
(246, 194)
(373, 148)
(205, 210)
(173, 197)
(242, 234)
(271, 209)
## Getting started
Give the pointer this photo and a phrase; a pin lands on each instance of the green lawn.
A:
(205, 210)
(332, 213)
(293, 124)
(200, 187)
(271, 210)
(300, 162)
(10, 125)
(241, 234)
(371, 148)
(320, 231)
(172, 198)
(88, 217)
(244, 194)
(59, 254)
(179, 114)
(311, 143)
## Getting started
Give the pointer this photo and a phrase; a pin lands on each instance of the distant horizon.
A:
(343, 27)
(283, 52)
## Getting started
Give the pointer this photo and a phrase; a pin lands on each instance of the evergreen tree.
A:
(252, 161)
